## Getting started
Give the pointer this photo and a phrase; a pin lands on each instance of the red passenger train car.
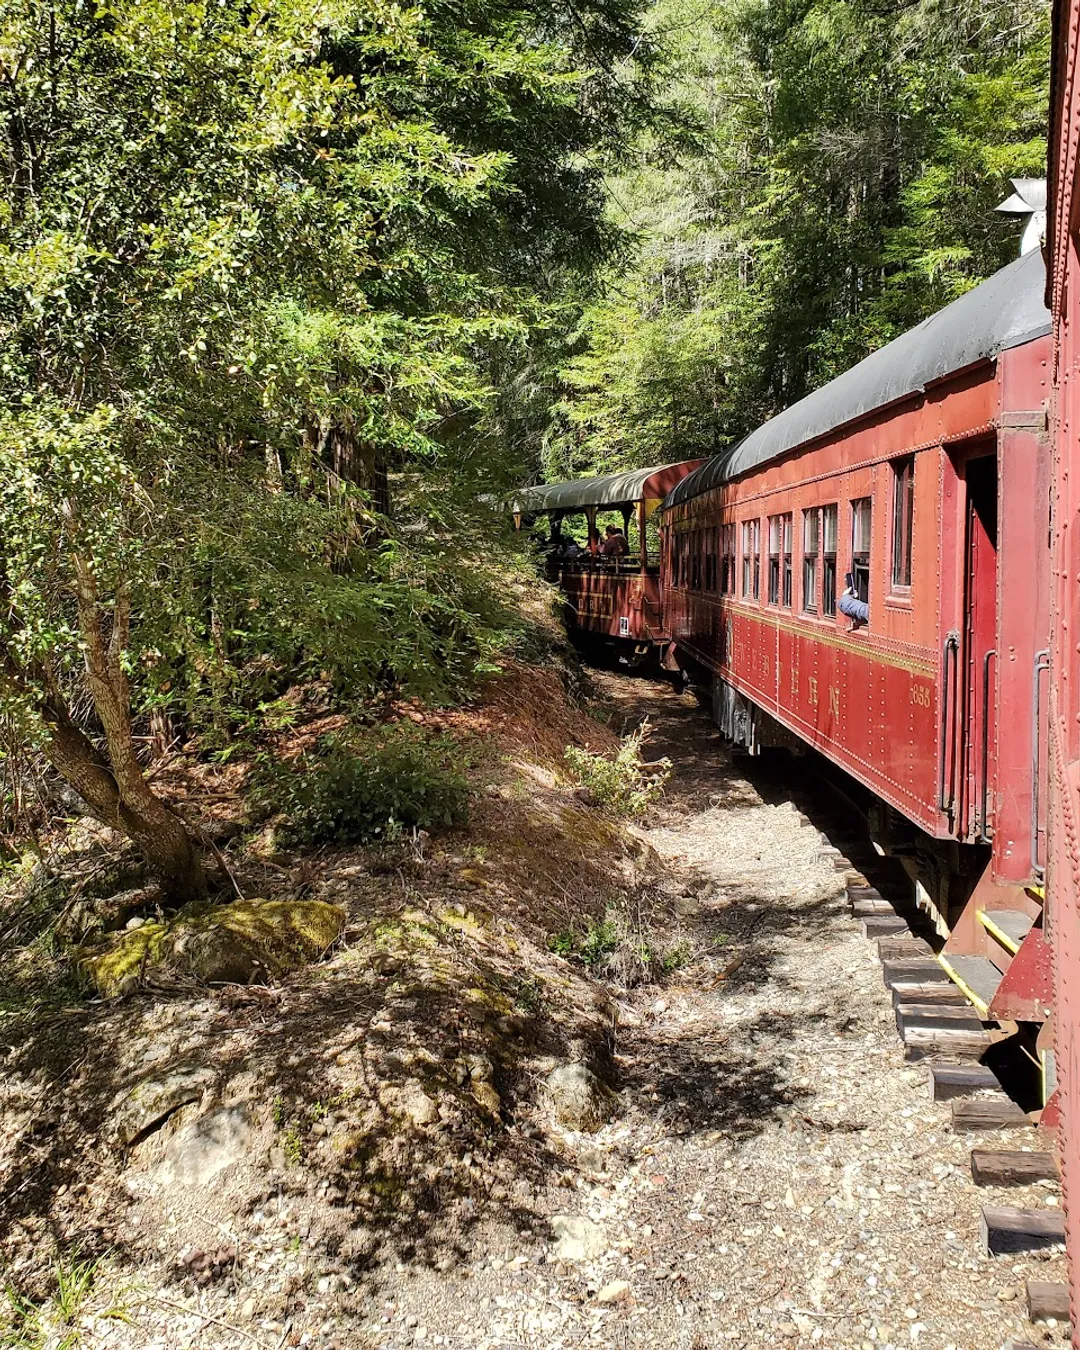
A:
(1063, 864)
(918, 482)
(610, 599)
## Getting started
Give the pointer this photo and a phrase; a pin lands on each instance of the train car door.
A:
(976, 807)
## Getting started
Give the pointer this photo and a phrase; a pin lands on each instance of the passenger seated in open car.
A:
(614, 545)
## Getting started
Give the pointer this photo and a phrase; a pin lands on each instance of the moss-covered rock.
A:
(248, 941)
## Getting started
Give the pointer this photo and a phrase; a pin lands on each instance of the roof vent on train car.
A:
(1029, 201)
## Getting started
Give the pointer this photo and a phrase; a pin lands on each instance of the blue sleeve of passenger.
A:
(855, 608)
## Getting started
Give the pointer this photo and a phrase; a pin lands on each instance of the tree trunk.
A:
(355, 461)
(156, 832)
(114, 786)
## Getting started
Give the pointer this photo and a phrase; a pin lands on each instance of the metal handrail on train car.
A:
(952, 643)
(986, 835)
(1041, 663)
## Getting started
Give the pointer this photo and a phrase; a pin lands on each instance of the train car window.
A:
(860, 547)
(757, 559)
(811, 541)
(903, 519)
(751, 559)
(695, 561)
(828, 560)
(776, 532)
(786, 589)
(730, 557)
(710, 557)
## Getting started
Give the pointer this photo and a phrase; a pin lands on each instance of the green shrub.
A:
(592, 947)
(623, 948)
(624, 784)
(600, 940)
(370, 787)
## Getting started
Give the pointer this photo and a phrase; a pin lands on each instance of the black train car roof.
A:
(1006, 310)
(613, 489)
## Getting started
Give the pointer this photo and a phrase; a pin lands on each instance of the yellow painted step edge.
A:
(969, 993)
(1010, 944)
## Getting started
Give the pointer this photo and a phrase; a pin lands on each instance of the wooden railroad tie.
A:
(896, 969)
(934, 991)
(925, 1037)
(937, 1017)
(948, 1081)
(884, 925)
(937, 1013)
(867, 909)
(990, 1112)
(864, 895)
(1005, 1230)
(1047, 1300)
(1011, 1167)
(934, 1042)
(909, 949)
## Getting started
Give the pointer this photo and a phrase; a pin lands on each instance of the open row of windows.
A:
(709, 559)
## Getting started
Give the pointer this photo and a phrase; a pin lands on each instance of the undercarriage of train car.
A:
(988, 938)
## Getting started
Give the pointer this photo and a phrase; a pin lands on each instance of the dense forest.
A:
(835, 183)
(290, 292)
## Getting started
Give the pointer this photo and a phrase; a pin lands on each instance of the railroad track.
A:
(977, 1070)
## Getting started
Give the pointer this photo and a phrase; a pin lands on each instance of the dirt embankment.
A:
(273, 1146)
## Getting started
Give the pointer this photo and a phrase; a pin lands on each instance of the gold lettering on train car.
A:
(834, 701)
(812, 695)
(794, 682)
(920, 695)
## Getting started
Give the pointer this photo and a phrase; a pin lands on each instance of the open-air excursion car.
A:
(614, 600)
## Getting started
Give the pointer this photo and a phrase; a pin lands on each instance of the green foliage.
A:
(592, 946)
(370, 787)
(528, 995)
(674, 957)
(622, 946)
(262, 269)
(292, 1144)
(837, 187)
(624, 783)
(55, 1324)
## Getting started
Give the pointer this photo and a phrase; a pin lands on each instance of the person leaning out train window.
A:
(858, 611)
